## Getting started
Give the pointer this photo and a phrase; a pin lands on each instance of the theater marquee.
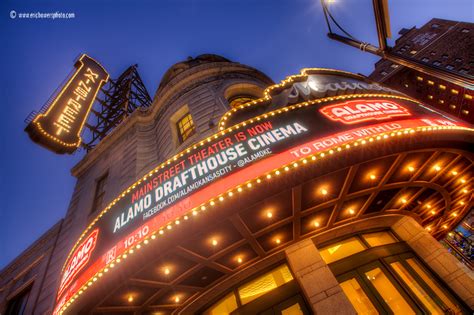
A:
(227, 163)
(59, 127)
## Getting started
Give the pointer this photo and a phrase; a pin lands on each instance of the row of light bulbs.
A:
(304, 73)
(251, 183)
(226, 117)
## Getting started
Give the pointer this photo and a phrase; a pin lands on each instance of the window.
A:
(389, 293)
(17, 305)
(432, 284)
(435, 25)
(239, 100)
(465, 30)
(386, 278)
(383, 73)
(99, 193)
(274, 292)
(437, 63)
(379, 238)
(224, 306)
(185, 127)
(264, 284)
(420, 293)
(450, 67)
(425, 59)
(357, 297)
(341, 250)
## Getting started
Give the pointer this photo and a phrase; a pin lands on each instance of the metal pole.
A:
(449, 76)
(465, 81)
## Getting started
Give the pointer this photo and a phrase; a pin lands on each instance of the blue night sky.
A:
(277, 37)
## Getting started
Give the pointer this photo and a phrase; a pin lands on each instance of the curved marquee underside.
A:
(176, 269)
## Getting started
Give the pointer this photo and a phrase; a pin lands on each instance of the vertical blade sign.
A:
(59, 127)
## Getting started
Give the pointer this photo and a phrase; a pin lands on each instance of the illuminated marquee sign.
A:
(230, 160)
(353, 112)
(174, 188)
(60, 127)
(79, 259)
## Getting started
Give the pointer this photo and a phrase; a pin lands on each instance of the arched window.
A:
(241, 93)
(238, 100)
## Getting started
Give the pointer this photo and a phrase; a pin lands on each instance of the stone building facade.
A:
(323, 233)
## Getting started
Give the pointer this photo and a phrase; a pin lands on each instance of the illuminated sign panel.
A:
(353, 112)
(230, 159)
(60, 127)
(79, 259)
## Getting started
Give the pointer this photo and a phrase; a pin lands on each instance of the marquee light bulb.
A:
(372, 176)
(463, 181)
(411, 169)
(324, 191)
(316, 224)
(269, 214)
(454, 173)
(437, 168)
(130, 299)
(351, 211)
(278, 241)
(239, 260)
(167, 271)
(403, 200)
(214, 242)
(176, 299)
(433, 212)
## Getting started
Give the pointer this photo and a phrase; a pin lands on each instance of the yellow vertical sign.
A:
(59, 128)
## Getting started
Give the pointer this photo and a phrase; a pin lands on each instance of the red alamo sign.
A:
(357, 111)
(79, 259)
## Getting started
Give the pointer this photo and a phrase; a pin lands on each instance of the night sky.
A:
(276, 37)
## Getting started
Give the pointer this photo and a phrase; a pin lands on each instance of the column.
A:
(316, 280)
